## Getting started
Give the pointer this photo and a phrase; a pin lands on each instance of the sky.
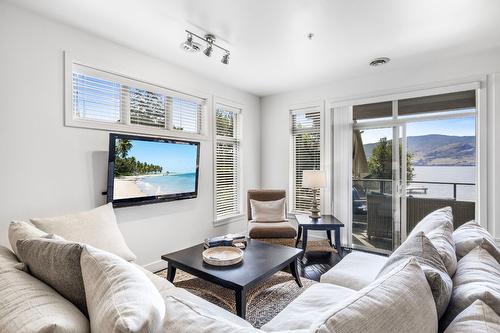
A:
(452, 127)
(172, 157)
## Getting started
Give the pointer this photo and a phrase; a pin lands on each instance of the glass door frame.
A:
(399, 184)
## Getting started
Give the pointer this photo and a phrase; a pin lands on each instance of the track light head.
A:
(225, 58)
(208, 51)
(189, 45)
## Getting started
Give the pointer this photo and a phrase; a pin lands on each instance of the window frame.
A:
(240, 215)
(108, 71)
(317, 106)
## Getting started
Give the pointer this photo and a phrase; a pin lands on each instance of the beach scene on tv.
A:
(150, 168)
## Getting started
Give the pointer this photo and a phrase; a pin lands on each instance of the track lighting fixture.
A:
(191, 46)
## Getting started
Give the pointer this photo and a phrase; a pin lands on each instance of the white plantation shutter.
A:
(306, 153)
(227, 166)
(103, 97)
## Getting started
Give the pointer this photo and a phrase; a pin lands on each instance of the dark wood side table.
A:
(325, 222)
(260, 261)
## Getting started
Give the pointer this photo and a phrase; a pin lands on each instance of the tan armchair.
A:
(272, 232)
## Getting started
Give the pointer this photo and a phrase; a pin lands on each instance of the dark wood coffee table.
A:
(260, 261)
(325, 222)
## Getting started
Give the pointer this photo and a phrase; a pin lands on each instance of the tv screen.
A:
(144, 170)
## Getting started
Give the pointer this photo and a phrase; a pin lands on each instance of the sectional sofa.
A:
(75, 273)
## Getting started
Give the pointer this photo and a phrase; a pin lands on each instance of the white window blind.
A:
(227, 155)
(102, 97)
(306, 153)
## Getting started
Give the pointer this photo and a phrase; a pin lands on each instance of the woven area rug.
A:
(263, 302)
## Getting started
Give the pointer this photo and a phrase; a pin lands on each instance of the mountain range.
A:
(435, 149)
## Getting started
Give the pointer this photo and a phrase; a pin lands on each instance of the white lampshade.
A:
(313, 179)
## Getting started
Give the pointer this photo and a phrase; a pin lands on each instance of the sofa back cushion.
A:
(477, 278)
(120, 298)
(442, 239)
(19, 230)
(29, 305)
(470, 235)
(477, 318)
(433, 220)
(96, 227)
(57, 263)
(400, 301)
(421, 248)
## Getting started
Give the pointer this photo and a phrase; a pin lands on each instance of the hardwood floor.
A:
(315, 264)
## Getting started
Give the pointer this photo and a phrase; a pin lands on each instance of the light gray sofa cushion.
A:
(477, 318)
(96, 227)
(303, 311)
(421, 248)
(477, 278)
(442, 239)
(29, 305)
(19, 230)
(120, 298)
(470, 235)
(57, 263)
(433, 220)
(400, 301)
(356, 270)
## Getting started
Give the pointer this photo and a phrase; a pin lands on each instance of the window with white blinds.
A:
(306, 153)
(105, 98)
(227, 161)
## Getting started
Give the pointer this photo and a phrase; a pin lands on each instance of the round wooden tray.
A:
(222, 255)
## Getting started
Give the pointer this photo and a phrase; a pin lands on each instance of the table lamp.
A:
(314, 179)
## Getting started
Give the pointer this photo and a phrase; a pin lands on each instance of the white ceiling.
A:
(270, 52)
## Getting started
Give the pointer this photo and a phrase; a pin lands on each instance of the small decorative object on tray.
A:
(238, 240)
(222, 255)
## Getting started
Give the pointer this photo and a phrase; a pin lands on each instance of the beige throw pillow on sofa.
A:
(471, 234)
(477, 318)
(20, 230)
(477, 278)
(96, 227)
(268, 211)
(442, 239)
(421, 248)
(433, 220)
(120, 298)
(399, 301)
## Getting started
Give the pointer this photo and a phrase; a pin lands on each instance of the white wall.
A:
(48, 169)
(275, 112)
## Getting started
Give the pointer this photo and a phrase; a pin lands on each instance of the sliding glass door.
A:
(433, 165)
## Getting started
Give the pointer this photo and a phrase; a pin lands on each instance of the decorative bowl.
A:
(222, 255)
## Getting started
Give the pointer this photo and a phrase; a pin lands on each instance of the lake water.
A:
(447, 174)
(168, 184)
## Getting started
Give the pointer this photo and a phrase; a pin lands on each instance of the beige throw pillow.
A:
(29, 305)
(57, 263)
(433, 220)
(477, 278)
(19, 230)
(477, 318)
(120, 298)
(442, 239)
(422, 249)
(399, 301)
(96, 227)
(470, 235)
(268, 211)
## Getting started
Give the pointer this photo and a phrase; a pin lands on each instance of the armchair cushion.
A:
(271, 230)
(268, 211)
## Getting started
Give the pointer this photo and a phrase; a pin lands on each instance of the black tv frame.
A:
(148, 199)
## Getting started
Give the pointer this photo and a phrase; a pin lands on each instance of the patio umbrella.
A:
(359, 162)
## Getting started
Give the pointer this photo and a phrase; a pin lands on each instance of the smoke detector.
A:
(379, 61)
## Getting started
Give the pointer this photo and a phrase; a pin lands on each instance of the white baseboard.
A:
(156, 266)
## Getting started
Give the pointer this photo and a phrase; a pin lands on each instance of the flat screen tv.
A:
(143, 170)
